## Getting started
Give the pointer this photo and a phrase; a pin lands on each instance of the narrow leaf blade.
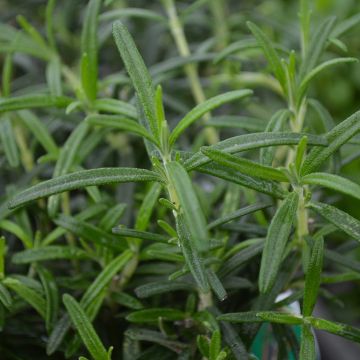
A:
(82, 179)
(334, 182)
(278, 234)
(85, 328)
(138, 73)
(201, 109)
(339, 218)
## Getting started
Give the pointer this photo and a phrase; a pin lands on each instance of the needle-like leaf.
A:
(80, 180)
(52, 252)
(334, 182)
(85, 328)
(89, 48)
(246, 142)
(198, 111)
(339, 218)
(119, 122)
(138, 73)
(244, 166)
(307, 345)
(33, 101)
(277, 237)
(337, 137)
(188, 205)
(313, 275)
(270, 53)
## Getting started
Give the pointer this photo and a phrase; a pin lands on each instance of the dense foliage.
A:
(170, 196)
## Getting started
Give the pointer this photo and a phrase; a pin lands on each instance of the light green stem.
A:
(218, 9)
(182, 45)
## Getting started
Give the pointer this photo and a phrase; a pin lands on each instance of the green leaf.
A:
(120, 230)
(53, 76)
(85, 328)
(33, 101)
(313, 277)
(201, 109)
(309, 77)
(188, 205)
(112, 216)
(160, 112)
(300, 153)
(120, 123)
(316, 46)
(338, 136)
(192, 257)
(325, 117)
(247, 142)
(33, 33)
(115, 106)
(91, 314)
(89, 232)
(89, 297)
(153, 315)
(66, 160)
(276, 240)
(202, 343)
(235, 47)
(2, 256)
(345, 25)
(215, 345)
(240, 258)
(49, 15)
(244, 166)
(233, 340)
(280, 318)
(161, 287)
(216, 285)
(8, 141)
(339, 218)
(39, 130)
(275, 124)
(269, 52)
(242, 317)
(238, 213)
(334, 182)
(128, 301)
(82, 179)
(5, 297)
(154, 337)
(53, 252)
(7, 73)
(138, 73)
(148, 206)
(263, 186)
(51, 296)
(88, 213)
(167, 228)
(89, 49)
(346, 331)
(307, 346)
(132, 13)
(18, 231)
(105, 276)
(27, 294)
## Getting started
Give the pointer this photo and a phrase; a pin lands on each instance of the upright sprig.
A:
(182, 250)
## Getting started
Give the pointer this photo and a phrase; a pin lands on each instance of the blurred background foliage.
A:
(338, 90)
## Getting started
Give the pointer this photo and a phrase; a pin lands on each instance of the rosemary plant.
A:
(223, 218)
